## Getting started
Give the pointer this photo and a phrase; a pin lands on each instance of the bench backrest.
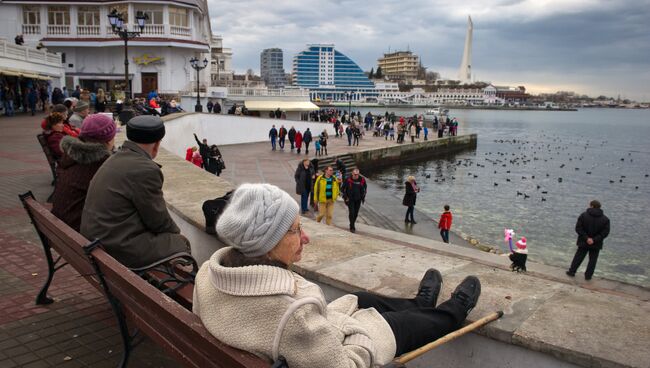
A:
(42, 140)
(176, 329)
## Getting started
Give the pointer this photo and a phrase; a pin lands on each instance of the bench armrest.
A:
(171, 273)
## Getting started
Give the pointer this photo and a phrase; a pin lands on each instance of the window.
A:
(88, 16)
(31, 15)
(58, 15)
(154, 14)
(178, 17)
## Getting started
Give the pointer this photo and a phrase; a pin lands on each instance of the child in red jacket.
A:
(445, 224)
(197, 159)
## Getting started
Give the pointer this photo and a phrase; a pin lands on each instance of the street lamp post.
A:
(119, 28)
(348, 95)
(195, 63)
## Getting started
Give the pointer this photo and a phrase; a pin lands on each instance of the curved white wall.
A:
(227, 129)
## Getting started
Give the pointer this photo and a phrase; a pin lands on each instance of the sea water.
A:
(535, 172)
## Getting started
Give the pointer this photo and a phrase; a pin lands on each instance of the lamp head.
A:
(119, 24)
(205, 62)
(141, 18)
(193, 62)
(112, 18)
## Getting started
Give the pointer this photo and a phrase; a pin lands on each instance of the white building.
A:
(29, 63)
(93, 56)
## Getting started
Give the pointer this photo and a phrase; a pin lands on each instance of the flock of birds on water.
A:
(550, 150)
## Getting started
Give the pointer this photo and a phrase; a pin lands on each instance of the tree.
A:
(432, 76)
(371, 75)
(379, 74)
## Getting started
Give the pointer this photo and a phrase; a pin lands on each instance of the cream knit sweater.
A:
(271, 311)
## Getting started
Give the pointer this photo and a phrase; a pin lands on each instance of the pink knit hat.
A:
(521, 244)
(98, 128)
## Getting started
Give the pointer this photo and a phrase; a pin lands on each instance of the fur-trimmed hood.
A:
(83, 153)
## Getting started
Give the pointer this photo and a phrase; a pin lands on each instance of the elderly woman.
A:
(410, 195)
(247, 296)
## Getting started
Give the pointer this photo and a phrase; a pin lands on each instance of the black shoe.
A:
(352, 229)
(429, 288)
(587, 278)
(407, 221)
(467, 293)
(569, 273)
(413, 222)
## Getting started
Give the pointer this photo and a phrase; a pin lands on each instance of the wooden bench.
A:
(136, 303)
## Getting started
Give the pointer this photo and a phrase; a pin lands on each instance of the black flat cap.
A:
(145, 129)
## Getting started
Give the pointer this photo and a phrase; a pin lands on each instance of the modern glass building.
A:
(329, 75)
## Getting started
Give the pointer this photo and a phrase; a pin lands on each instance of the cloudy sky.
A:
(587, 46)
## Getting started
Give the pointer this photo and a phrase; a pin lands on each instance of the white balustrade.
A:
(25, 53)
(155, 29)
(58, 30)
(180, 31)
(88, 30)
(31, 29)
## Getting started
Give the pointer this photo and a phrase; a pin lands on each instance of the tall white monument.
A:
(465, 73)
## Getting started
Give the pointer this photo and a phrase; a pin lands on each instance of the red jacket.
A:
(67, 129)
(188, 154)
(445, 221)
(298, 139)
(197, 159)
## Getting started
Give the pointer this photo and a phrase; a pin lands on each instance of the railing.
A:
(180, 31)
(58, 30)
(156, 29)
(24, 53)
(31, 29)
(264, 92)
(88, 30)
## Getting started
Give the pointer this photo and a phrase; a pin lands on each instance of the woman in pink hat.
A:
(519, 255)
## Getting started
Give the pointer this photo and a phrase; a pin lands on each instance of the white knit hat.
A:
(257, 218)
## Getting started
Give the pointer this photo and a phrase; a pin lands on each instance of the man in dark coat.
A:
(204, 151)
(292, 136)
(592, 228)
(125, 207)
(306, 139)
(282, 134)
(354, 193)
(273, 134)
(304, 178)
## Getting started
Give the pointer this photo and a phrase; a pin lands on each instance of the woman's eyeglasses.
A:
(295, 231)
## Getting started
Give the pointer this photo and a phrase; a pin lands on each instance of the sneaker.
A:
(571, 274)
(429, 288)
(467, 293)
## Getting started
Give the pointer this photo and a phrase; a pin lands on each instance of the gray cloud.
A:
(590, 46)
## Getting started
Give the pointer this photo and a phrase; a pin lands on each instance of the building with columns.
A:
(93, 57)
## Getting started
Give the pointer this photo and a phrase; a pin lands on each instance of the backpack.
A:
(212, 209)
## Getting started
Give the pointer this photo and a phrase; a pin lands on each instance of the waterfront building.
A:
(465, 73)
(272, 68)
(512, 95)
(399, 65)
(330, 75)
(221, 62)
(93, 57)
(24, 66)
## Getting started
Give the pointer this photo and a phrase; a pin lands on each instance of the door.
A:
(149, 82)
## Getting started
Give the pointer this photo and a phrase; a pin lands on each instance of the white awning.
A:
(272, 105)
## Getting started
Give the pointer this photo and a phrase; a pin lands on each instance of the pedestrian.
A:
(100, 102)
(592, 228)
(44, 96)
(354, 193)
(306, 139)
(292, 136)
(413, 132)
(282, 134)
(81, 159)
(317, 145)
(197, 159)
(189, 153)
(410, 195)
(204, 150)
(304, 177)
(340, 167)
(441, 128)
(356, 132)
(298, 141)
(519, 255)
(326, 190)
(81, 110)
(426, 133)
(216, 108)
(210, 105)
(8, 97)
(273, 134)
(444, 224)
(125, 206)
(32, 99)
(323, 141)
(54, 133)
(215, 162)
(348, 132)
(248, 297)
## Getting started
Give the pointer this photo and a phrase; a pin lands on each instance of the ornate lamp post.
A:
(119, 28)
(348, 95)
(195, 63)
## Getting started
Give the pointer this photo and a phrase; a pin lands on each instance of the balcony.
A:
(180, 31)
(154, 29)
(31, 29)
(58, 30)
(27, 54)
(88, 30)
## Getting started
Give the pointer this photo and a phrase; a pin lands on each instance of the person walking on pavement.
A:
(298, 141)
(326, 190)
(340, 166)
(282, 134)
(348, 132)
(204, 151)
(354, 193)
(409, 198)
(592, 228)
(273, 134)
(445, 224)
(292, 137)
(304, 177)
(307, 138)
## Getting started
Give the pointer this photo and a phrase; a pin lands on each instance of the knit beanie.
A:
(521, 244)
(257, 218)
(97, 128)
(81, 106)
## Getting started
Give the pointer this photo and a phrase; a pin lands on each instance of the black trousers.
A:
(306, 147)
(581, 252)
(414, 325)
(409, 213)
(353, 211)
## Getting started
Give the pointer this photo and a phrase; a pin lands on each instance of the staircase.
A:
(324, 161)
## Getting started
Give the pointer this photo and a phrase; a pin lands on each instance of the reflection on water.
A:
(536, 172)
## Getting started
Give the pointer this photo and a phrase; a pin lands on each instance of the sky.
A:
(591, 47)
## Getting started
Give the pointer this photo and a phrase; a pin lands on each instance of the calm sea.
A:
(535, 172)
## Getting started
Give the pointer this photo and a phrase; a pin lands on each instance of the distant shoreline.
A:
(458, 107)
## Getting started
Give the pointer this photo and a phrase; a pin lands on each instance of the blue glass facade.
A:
(321, 67)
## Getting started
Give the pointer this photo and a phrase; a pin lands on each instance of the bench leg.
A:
(42, 298)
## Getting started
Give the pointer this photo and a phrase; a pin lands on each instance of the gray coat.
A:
(126, 210)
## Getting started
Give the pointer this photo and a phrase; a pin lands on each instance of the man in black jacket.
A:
(292, 136)
(306, 139)
(304, 177)
(204, 151)
(354, 193)
(592, 228)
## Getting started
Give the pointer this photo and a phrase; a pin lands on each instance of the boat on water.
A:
(429, 114)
